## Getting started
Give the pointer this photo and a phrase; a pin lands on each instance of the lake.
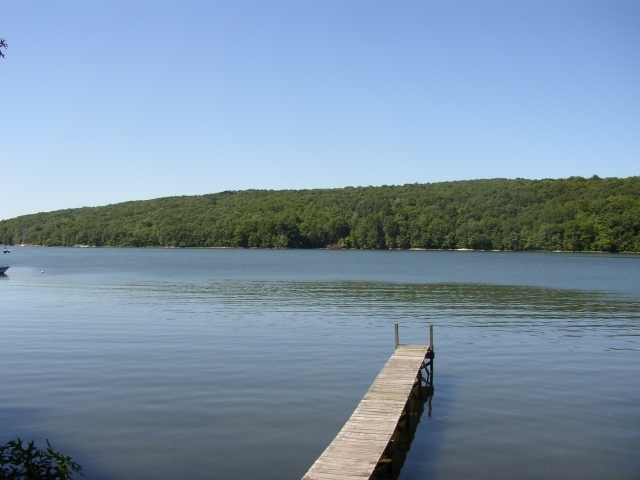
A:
(244, 364)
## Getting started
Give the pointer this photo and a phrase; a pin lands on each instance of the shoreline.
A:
(416, 249)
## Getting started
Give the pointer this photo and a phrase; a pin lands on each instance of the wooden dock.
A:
(358, 449)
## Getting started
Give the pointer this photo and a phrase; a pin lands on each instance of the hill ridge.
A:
(576, 214)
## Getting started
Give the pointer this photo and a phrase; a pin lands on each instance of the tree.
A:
(3, 44)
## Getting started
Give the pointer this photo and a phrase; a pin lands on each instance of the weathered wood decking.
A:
(359, 446)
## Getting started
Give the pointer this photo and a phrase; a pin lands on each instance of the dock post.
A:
(397, 337)
(431, 336)
(432, 352)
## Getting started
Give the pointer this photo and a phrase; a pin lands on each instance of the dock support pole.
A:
(431, 337)
(432, 352)
(397, 337)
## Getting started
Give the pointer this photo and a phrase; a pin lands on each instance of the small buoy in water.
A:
(42, 271)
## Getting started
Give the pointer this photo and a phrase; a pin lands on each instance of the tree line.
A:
(573, 214)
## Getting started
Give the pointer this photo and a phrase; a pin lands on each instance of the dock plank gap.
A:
(363, 449)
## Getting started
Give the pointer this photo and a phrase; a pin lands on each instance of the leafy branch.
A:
(18, 462)
(3, 44)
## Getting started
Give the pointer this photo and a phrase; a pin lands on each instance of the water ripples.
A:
(453, 305)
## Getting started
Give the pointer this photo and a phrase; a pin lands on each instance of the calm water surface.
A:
(244, 364)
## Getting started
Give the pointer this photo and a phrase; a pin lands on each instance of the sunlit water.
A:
(244, 364)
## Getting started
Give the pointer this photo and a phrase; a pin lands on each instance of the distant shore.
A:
(326, 248)
(569, 215)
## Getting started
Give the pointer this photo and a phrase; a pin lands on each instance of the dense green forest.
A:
(576, 214)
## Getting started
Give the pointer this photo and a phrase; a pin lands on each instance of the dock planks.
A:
(358, 447)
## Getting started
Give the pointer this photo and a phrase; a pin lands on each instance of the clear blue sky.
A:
(103, 102)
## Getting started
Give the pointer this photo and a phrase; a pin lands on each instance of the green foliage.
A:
(30, 463)
(575, 214)
(3, 44)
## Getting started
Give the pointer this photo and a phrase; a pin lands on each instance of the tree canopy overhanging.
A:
(18, 462)
(574, 214)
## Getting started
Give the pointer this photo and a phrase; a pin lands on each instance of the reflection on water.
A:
(462, 305)
(245, 365)
(392, 461)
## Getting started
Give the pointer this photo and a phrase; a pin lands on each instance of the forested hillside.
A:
(569, 214)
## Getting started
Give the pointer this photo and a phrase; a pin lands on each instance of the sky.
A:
(104, 102)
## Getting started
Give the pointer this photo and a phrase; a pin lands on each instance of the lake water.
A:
(244, 364)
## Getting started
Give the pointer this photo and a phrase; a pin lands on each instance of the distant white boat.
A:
(4, 269)
(6, 250)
